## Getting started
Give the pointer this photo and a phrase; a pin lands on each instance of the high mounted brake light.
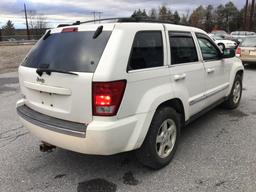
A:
(106, 97)
(69, 29)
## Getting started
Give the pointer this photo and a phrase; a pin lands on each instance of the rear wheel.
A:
(235, 95)
(161, 141)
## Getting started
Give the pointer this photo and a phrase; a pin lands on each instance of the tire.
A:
(222, 46)
(160, 143)
(235, 95)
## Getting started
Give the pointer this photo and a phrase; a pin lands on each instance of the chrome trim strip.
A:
(147, 69)
(217, 91)
(196, 100)
(38, 120)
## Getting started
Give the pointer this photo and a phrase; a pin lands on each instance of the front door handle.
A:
(179, 77)
(210, 70)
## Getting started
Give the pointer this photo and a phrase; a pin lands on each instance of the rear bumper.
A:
(101, 138)
(51, 123)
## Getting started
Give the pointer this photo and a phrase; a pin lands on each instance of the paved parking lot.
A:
(216, 153)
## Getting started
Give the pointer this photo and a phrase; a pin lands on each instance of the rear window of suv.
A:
(249, 42)
(72, 51)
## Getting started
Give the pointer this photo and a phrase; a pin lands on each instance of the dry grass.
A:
(11, 57)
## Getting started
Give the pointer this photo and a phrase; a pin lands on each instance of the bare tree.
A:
(37, 23)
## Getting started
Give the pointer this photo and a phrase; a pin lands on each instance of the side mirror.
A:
(228, 53)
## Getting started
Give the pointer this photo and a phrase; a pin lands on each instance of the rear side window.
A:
(147, 50)
(72, 51)
(183, 49)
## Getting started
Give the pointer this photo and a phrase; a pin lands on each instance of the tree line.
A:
(223, 17)
(37, 25)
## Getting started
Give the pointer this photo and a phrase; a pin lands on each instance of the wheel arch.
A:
(177, 105)
(237, 69)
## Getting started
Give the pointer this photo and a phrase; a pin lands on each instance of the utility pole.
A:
(100, 15)
(251, 15)
(26, 17)
(94, 15)
(245, 15)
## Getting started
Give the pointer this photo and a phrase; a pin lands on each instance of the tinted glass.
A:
(183, 48)
(73, 51)
(249, 42)
(208, 49)
(147, 51)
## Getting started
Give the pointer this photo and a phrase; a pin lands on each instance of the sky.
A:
(69, 11)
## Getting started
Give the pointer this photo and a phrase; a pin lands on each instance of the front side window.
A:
(147, 50)
(208, 49)
(183, 49)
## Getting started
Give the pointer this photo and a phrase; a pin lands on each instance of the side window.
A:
(183, 49)
(147, 50)
(208, 49)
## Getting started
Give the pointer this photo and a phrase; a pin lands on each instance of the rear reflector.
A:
(106, 97)
(238, 52)
(69, 29)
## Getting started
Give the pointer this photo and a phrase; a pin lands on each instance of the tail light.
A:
(238, 52)
(107, 97)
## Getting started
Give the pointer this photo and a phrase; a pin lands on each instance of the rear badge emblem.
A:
(40, 80)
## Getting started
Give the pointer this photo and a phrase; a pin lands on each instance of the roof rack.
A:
(121, 20)
(128, 19)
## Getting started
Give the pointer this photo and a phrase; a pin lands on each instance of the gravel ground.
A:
(216, 154)
(11, 56)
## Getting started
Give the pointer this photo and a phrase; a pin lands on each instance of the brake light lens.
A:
(69, 29)
(107, 97)
(238, 52)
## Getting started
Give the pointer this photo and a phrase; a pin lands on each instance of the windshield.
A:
(72, 51)
(249, 42)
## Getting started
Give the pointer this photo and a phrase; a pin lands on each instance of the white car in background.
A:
(223, 43)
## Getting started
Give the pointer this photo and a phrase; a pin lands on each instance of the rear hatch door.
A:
(56, 76)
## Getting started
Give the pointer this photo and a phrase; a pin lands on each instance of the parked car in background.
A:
(220, 33)
(240, 35)
(247, 50)
(223, 34)
(224, 43)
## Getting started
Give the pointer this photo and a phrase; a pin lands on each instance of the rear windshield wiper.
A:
(40, 71)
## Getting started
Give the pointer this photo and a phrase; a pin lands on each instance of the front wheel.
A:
(235, 95)
(161, 141)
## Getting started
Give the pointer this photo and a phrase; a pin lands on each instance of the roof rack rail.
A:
(62, 25)
(126, 19)
(120, 20)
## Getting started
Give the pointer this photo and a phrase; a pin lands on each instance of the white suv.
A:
(115, 87)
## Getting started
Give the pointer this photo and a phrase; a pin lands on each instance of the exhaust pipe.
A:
(46, 147)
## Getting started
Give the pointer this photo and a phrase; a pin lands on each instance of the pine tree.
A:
(8, 29)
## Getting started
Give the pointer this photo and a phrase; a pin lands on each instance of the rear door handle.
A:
(180, 77)
(210, 70)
